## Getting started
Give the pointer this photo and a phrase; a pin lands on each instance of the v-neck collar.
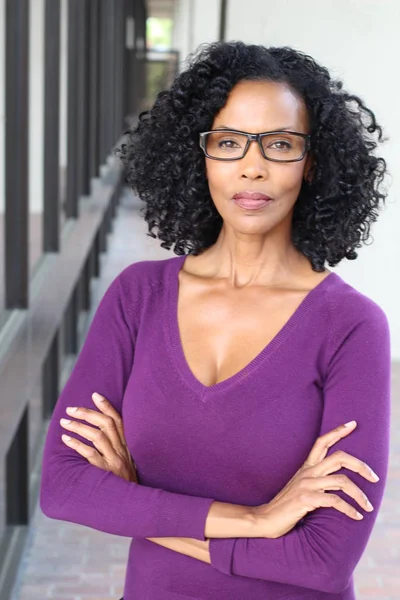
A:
(174, 337)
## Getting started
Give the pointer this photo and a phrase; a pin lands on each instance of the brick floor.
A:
(378, 573)
(64, 561)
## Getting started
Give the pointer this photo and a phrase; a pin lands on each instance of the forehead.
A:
(257, 106)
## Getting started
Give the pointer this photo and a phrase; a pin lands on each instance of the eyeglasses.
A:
(278, 146)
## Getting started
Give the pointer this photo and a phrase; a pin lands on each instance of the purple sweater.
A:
(238, 441)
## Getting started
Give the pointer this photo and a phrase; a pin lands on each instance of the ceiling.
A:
(161, 9)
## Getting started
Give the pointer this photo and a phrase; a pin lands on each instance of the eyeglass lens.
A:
(278, 146)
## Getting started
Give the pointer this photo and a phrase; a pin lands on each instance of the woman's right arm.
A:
(74, 490)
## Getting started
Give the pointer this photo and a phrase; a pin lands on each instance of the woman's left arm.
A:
(322, 551)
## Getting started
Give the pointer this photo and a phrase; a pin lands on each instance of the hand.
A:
(111, 452)
(305, 491)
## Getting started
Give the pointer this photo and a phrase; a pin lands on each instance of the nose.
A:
(253, 165)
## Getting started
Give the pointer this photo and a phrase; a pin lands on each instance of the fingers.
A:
(111, 451)
(107, 408)
(344, 483)
(104, 422)
(97, 436)
(317, 500)
(324, 442)
(340, 459)
(91, 454)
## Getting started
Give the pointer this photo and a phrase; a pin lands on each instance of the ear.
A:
(309, 168)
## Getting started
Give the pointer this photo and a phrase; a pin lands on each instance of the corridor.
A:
(64, 561)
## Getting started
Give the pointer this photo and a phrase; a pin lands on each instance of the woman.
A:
(229, 372)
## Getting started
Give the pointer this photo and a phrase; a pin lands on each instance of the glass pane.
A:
(63, 111)
(225, 144)
(35, 422)
(283, 146)
(2, 160)
(36, 130)
(162, 60)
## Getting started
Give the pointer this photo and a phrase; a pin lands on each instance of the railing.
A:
(44, 323)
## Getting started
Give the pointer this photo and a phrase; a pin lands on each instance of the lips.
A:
(251, 196)
(251, 200)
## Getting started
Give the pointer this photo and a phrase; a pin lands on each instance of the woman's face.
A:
(258, 107)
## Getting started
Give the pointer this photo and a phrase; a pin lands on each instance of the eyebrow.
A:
(289, 128)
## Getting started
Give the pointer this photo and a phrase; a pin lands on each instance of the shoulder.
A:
(149, 273)
(353, 313)
(142, 278)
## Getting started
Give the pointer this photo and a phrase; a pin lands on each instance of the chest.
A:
(221, 333)
(239, 441)
(238, 444)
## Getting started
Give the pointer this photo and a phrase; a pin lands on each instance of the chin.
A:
(250, 225)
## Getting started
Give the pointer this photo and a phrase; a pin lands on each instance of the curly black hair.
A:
(165, 165)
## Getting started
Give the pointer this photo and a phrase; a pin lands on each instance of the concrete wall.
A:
(358, 41)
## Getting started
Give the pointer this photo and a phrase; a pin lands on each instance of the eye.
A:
(281, 145)
(228, 144)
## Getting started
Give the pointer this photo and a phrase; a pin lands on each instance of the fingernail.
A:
(374, 475)
(97, 397)
(72, 409)
(359, 515)
(66, 438)
(349, 424)
(370, 505)
(65, 421)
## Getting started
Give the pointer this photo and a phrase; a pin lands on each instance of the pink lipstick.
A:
(251, 200)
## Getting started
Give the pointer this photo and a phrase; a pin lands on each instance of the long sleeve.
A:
(322, 551)
(74, 490)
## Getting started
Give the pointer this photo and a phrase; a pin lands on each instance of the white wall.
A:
(182, 31)
(358, 40)
(195, 22)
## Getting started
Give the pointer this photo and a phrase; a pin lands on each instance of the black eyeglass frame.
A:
(255, 137)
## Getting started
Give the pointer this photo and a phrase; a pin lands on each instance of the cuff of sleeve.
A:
(186, 518)
(221, 554)
(198, 517)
